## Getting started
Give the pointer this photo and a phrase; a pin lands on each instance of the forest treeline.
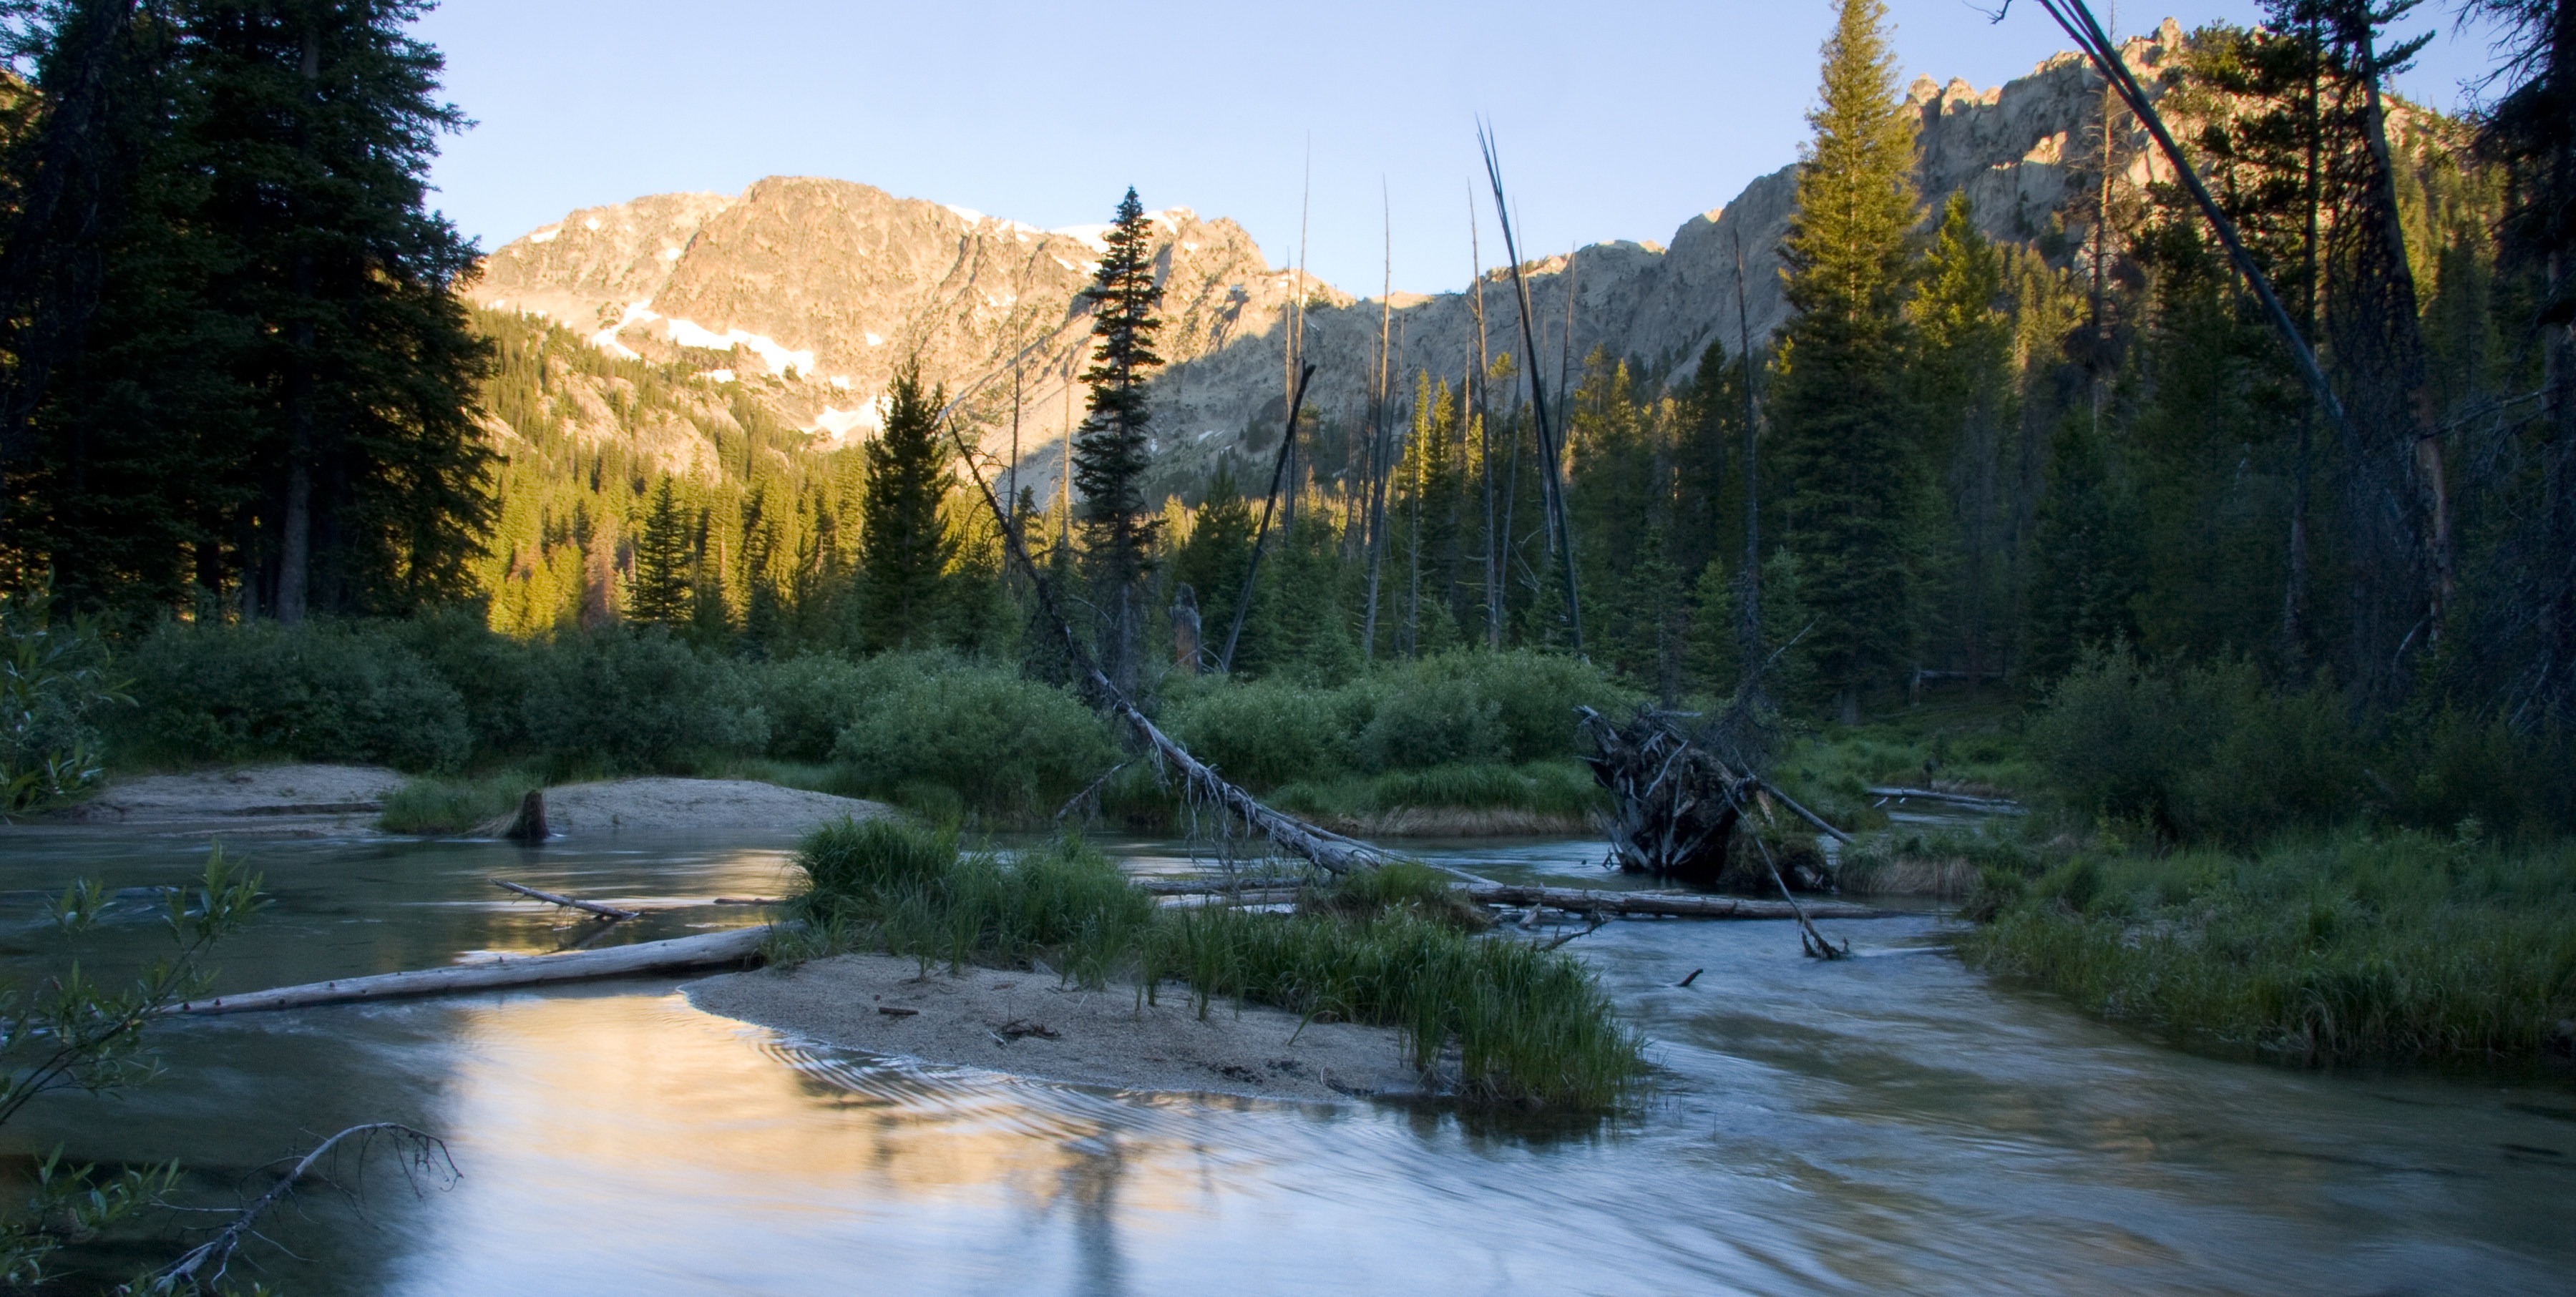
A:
(240, 387)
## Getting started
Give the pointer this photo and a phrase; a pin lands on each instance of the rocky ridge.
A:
(821, 286)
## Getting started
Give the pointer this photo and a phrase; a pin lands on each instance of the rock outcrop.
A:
(826, 284)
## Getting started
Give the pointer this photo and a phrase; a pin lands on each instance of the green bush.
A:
(1003, 743)
(53, 680)
(1460, 708)
(639, 702)
(321, 691)
(810, 699)
(1266, 732)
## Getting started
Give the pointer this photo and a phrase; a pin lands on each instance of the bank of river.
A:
(1890, 1123)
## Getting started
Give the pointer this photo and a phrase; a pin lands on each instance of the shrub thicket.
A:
(2209, 754)
(325, 691)
(950, 734)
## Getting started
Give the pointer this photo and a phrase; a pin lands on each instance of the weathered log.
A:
(1988, 805)
(709, 950)
(608, 912)
(1215, 900)
(1193, 886)
(1583, 900)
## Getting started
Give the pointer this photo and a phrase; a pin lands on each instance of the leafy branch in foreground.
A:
(51, 679)
(73, 1033)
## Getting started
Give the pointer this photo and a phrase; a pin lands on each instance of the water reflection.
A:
(1889, 1124)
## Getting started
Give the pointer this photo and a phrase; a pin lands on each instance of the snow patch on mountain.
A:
(688, 333)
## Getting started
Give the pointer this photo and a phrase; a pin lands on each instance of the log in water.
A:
(710, 950)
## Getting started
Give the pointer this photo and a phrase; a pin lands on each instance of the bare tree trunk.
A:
(1547, 445)
(1377, 440)
(1494, 542)
(1748, 578)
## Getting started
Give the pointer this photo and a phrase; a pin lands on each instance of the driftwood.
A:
(201, 1267)
(1673, 803)
(1987, 805)
(710, 950)
(610, 913)
(1585, 901)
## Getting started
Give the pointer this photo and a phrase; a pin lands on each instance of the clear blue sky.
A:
(1615, 120)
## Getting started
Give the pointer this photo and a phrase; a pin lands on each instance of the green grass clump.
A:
(433, 807)
(1388, 948)
(2345, 947)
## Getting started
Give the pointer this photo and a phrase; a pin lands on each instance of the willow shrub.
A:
(2350, 946)
(1391, 949)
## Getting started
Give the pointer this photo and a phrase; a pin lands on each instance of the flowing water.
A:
(1893, 1123)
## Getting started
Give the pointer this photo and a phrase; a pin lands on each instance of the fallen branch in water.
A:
(202, 1267)
(608, 912)
(709, 950)
(1584, 901)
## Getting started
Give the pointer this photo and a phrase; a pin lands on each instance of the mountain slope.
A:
(823, 285)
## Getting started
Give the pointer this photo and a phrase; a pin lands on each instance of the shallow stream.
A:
(1893, 1123)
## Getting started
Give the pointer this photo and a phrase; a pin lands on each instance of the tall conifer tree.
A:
(661, 594)
(316, 123)
(904, 544)
(1842, 410)
(1111, 452)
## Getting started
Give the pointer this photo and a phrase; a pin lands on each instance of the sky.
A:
(1353, 122)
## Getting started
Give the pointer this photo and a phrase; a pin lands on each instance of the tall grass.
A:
(436, 807)
(2403, 946)
(1391, 948)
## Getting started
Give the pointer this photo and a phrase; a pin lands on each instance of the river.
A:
(1892, 1123)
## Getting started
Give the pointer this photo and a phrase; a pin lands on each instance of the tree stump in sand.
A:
(530, 826)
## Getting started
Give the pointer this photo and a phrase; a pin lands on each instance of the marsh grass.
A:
(2344, 947)
(1391, 948)
(1557, 789)
(1961, 744)
(436, 807)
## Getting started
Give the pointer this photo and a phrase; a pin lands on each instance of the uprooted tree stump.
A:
(1674, 804)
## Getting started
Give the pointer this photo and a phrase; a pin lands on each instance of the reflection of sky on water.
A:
(1886, 1124)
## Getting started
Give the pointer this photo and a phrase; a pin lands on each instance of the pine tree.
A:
(904, 546)
(316, 121)
(662, 593)
(1842, 411)
(1963, 383)
(1112, 451)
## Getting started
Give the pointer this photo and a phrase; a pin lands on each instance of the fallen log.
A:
(1209, 900)
(709, 950)
(608, 912)
(1989, 805)
(1194, 886)
(1587, 901)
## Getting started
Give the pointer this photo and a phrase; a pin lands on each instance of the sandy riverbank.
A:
(306, 800)
(659, 805)
(1029, 1024)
